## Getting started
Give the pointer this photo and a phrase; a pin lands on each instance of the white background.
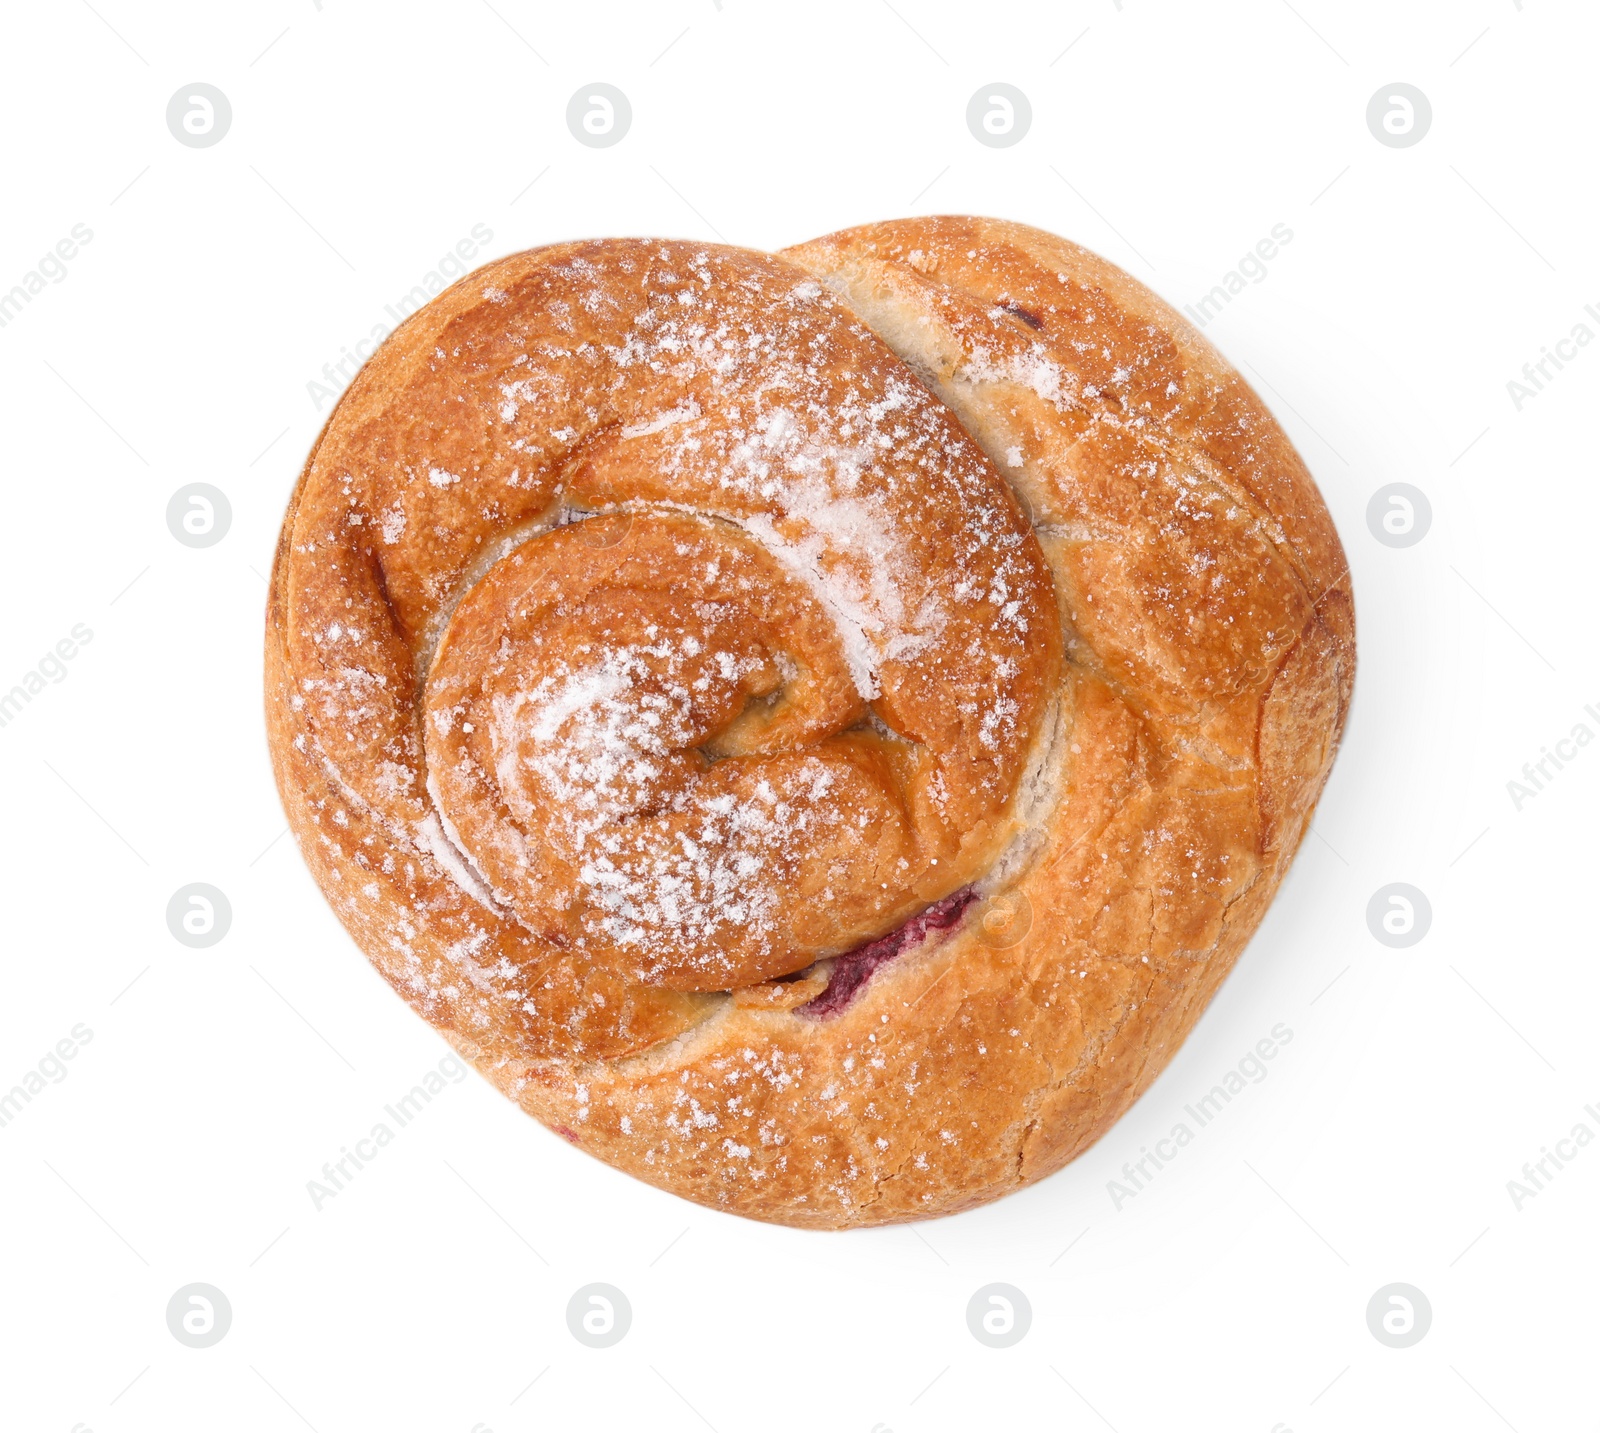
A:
(1230, 1294)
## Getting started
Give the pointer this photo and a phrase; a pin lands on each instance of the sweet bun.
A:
(815, 730)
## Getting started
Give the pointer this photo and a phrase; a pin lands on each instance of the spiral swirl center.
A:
(654, 751)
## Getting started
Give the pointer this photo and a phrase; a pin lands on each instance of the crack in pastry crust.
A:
(949, 511)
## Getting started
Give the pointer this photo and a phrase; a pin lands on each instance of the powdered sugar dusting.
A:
(712, 798)
(599, 747)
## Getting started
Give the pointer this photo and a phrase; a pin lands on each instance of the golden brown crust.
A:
(1206, 613)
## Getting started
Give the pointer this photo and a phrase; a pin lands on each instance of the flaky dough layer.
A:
(656, 624)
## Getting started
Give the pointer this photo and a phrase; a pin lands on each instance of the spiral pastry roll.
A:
(813, 729)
